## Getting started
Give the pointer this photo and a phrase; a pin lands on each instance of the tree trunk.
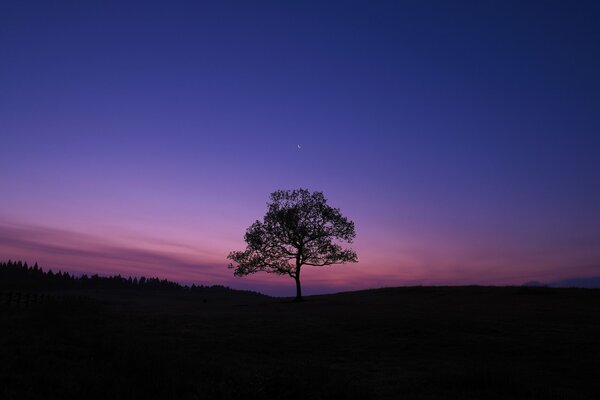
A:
(298, 287)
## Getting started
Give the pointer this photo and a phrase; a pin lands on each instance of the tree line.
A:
(18, 275)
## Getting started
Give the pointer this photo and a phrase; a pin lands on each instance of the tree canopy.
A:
(299, 229)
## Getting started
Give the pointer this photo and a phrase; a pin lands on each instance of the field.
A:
(403, 343)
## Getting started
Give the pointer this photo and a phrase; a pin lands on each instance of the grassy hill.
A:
(410, 343)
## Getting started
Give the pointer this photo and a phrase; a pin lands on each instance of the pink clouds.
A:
(383, 261)
(84, 253)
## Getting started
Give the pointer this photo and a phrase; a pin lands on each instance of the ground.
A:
(404, 343)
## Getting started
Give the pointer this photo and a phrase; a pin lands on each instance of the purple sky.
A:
(462, 139)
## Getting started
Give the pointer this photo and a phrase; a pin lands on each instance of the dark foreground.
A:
(410, 343)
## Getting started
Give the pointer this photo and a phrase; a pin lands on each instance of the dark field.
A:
(408, 343)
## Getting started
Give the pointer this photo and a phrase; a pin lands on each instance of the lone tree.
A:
(298, 229)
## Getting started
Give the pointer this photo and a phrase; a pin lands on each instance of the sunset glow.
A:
(464, 149)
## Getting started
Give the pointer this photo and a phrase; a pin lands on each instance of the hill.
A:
(410, 343)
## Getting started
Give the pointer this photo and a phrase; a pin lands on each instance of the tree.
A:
(299, 229)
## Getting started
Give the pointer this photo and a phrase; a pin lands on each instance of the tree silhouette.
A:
(298, 229)
(16, 275)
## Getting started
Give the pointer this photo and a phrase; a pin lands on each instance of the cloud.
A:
(85, 253)
(137, 255)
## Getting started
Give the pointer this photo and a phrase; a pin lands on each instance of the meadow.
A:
(408, 343)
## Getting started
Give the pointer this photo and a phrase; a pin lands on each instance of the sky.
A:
(462, 138)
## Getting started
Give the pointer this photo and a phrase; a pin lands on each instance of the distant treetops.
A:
(17, 275)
